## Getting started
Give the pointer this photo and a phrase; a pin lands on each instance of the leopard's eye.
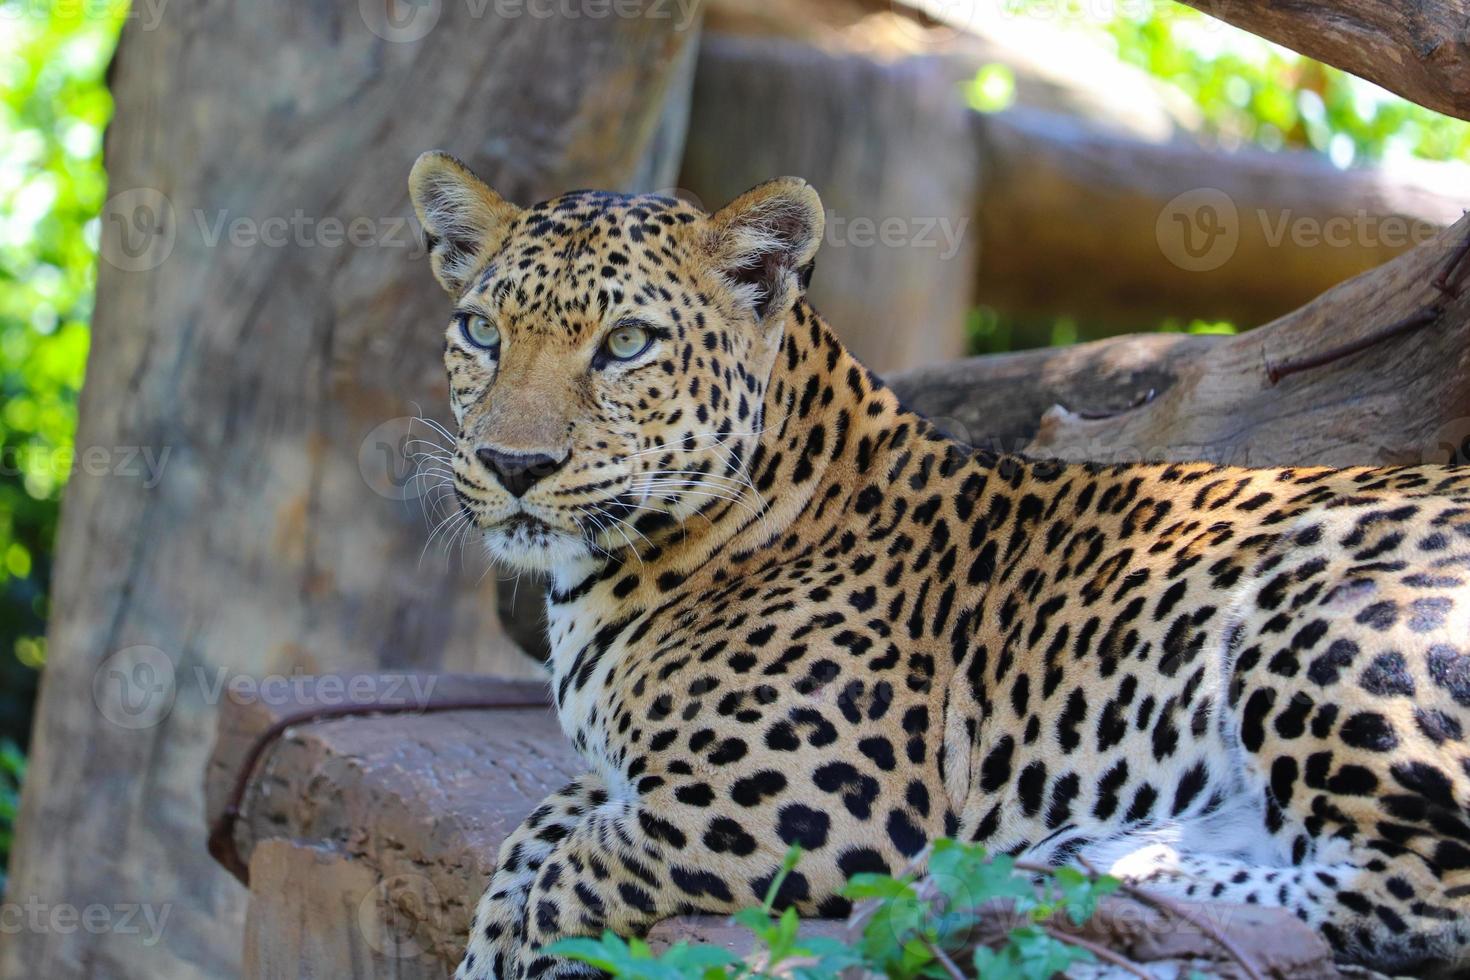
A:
(627, 342)
(481, 332)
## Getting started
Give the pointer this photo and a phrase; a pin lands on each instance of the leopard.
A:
(785, 609)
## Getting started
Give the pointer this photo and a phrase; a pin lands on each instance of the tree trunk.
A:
(265, 327)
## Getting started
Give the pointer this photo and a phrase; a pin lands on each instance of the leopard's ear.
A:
(463, 219)
(764, 241)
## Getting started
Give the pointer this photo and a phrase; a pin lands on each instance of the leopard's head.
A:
(608, 355)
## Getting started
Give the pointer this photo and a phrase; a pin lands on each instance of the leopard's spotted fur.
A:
(785, 609)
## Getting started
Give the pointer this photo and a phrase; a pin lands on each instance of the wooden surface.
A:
(1405, 400)
(422, 801)
(272, 375)
(316, 914)
(1419, 49)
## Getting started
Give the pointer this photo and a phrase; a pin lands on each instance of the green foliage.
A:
(53, 107)
(1246, 90)
(12, 771)
(914, 928)
(1249, 90)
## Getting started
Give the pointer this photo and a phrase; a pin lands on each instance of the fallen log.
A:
(1074, 218)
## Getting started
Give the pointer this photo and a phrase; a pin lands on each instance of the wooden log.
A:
(314, 912)
(1419, 49)
(421, 801)
(265, 325)
(1405, 399)
(1075, 219)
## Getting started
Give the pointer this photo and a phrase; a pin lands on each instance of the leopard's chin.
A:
(529, 544)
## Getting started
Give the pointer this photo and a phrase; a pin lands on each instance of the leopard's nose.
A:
(518, 472)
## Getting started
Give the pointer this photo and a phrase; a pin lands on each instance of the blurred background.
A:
(1154, 74)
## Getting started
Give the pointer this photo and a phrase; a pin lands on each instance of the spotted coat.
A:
(785, 609)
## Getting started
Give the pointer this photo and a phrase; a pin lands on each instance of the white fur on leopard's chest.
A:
(581, 708)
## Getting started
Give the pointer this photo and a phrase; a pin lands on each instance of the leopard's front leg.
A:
(597, 862)
(497, 932)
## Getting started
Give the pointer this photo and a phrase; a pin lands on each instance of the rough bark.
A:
(275, 376)
(1403, 400)
(416, 803)
(1419, 49)
(1177, 396)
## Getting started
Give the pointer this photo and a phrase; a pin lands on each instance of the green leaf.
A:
(788, 864)
(866, 885)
